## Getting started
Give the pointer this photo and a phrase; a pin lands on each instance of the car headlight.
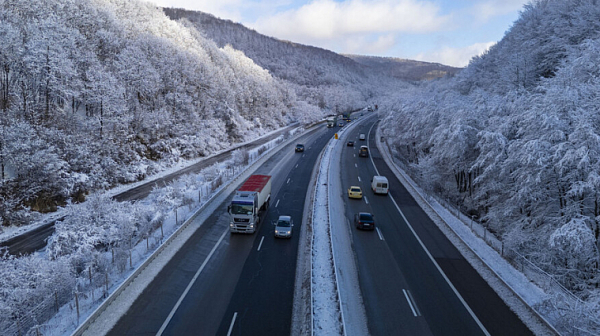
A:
(230, 224)
(251, 225)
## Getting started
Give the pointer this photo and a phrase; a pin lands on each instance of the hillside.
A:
(406, 69)
(514, 140)
(317, 75)
(99, 93)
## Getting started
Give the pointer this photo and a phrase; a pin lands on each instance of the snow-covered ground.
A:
(512, 286)
(337, 303)
(336, 309)
(9, 232)
(334, 288)
(325, 298)
(196, 191)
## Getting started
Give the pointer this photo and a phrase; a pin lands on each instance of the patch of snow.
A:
(518, 292)
(326, 312)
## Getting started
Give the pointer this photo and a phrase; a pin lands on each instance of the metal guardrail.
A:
(402, 176)
(112, 297)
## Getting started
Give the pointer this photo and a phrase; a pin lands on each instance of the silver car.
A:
(283, 227)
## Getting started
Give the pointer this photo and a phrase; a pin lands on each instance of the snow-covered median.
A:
(338, 308)
(325, 300)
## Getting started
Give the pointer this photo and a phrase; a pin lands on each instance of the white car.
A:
(283, 227)
(361, 136)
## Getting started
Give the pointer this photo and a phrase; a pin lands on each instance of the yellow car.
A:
(354, 192)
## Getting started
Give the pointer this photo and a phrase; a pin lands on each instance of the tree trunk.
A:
(470, 184)
(101, 117)
(47, 114)
(2, 158)
(457, 178)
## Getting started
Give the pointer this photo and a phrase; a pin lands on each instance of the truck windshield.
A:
(241, 209)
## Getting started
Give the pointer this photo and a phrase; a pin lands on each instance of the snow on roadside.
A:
(501, 270)
(326, 308)
(183, 197)
(12, 231)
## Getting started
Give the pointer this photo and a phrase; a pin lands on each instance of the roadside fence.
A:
(72, 301)
(567, 311)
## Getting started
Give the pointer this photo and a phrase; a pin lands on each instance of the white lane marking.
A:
(296, 165)
(355, 165)
(354, 155)
(427, 251)
(369, 146)
(440, 269)
(231, 325)
(410, 303)
(359, 179)
(366, 200)
(379, 233)
(288, 181)
(276, 204)
(261, 241)
(164, 325)
(412, 299)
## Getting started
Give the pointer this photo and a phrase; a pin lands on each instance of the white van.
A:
(361, 136)
(379, 184)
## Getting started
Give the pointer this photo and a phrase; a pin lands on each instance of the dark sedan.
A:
(364, 220)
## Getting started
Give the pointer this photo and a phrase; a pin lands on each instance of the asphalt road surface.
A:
(256, 286)
(36, 239)
(403, 291)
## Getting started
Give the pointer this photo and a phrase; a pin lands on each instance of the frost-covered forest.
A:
(409, 70)
(98, 93)
(319, 77)
(515, 139)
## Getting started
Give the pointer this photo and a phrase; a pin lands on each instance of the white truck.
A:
(330, 122)
(249, 203)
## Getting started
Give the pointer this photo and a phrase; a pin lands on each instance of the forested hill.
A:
(514, 138)
(319, 76)
(301, 64)
(406, 69)
(103, 92)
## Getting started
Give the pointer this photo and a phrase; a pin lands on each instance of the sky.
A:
(450, 32)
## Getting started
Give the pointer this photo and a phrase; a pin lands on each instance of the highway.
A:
(254, 285)
(36, 239)
(223, 284)
(403, 289)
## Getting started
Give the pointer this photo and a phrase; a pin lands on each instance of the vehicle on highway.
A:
(379, 184)
(283, 227)
(299, 148)
(350, 143)
(363, 151)
(361, 136)
(341, 124)
(330, 122)
(248, 204)
(354, 192)
(364, 220)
